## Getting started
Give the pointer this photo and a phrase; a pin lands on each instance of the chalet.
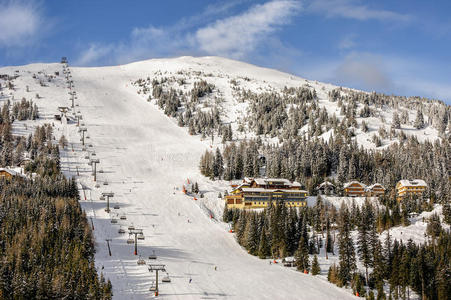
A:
(6, 173)
(326, 188)
(260, 193)
(406, 188)
(375, 190)
(354, 189)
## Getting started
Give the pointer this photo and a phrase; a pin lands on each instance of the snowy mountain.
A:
(146, 158)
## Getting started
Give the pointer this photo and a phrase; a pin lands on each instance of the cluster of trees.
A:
(46, 243)
(23, 110)
(437, 112)
(279, 231)
(187, 107)
(312, 161)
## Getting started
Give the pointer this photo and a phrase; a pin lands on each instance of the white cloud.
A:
(239, 35)
(352, 9)
(235, 36)
(365, 70)
(21, 23)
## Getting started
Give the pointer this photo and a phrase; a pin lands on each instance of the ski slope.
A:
(145, 157)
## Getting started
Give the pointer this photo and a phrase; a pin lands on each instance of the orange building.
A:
(354, 189)
(375, 190)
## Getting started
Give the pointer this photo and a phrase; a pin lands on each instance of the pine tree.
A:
(263, 247)
(301, 256)
(252, 241)
(419, 121)
(218, 165)
(364, 241)
(346, 247)
(396, 123)
(315, 266)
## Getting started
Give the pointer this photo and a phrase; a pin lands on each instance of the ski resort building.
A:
(261, 192)
(375, 190)
(7, 173)
(406, 188)
(354, 189)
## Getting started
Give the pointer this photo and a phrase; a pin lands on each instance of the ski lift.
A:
(101, 171)
(140, 236)
(89, 163)
(141, 261)
(121, 230)
(102, 198)
(105, 183)
(153, 287)
(97, 185)
(166, 278)
(123, 217)
(86, 156)
(130, 240)
(131, 227)
(153, 256)
(90, 145)
(113, 221)
(116, 206)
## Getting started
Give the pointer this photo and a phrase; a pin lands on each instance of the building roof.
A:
(414, 182)
(260, 190)
(324, 184)
(348, 184)
(11, 172)
(370, 187)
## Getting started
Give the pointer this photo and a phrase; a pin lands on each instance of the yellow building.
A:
(354, 189)
(405, 188)
(259, 193)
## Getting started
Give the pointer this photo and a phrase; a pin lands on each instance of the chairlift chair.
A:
(153, 287)
(130, 240)
(97, 185)
(131, 227)
(153, 256)
(102, 198)
(113, 221)
(141, 261)
(121, 230)
(105, 183)
(101, 171)
(116, 206)
(140, 236)
(166, 278)
(123, 217)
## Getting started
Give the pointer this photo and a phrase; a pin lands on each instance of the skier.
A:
(190, 279)
(216, 268)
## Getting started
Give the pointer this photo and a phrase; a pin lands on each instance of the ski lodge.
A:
(354, 189)
(6, 173)
(407, 188)
(375, 190)
(260, 192)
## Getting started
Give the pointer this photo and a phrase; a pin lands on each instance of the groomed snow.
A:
(145, 158)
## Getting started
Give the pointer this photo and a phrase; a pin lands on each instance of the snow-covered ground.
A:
(145, 158)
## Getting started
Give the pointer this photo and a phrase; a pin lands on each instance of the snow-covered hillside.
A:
(235, 84)
(144, 160)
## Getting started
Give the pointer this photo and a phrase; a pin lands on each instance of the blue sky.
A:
(401, 47)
